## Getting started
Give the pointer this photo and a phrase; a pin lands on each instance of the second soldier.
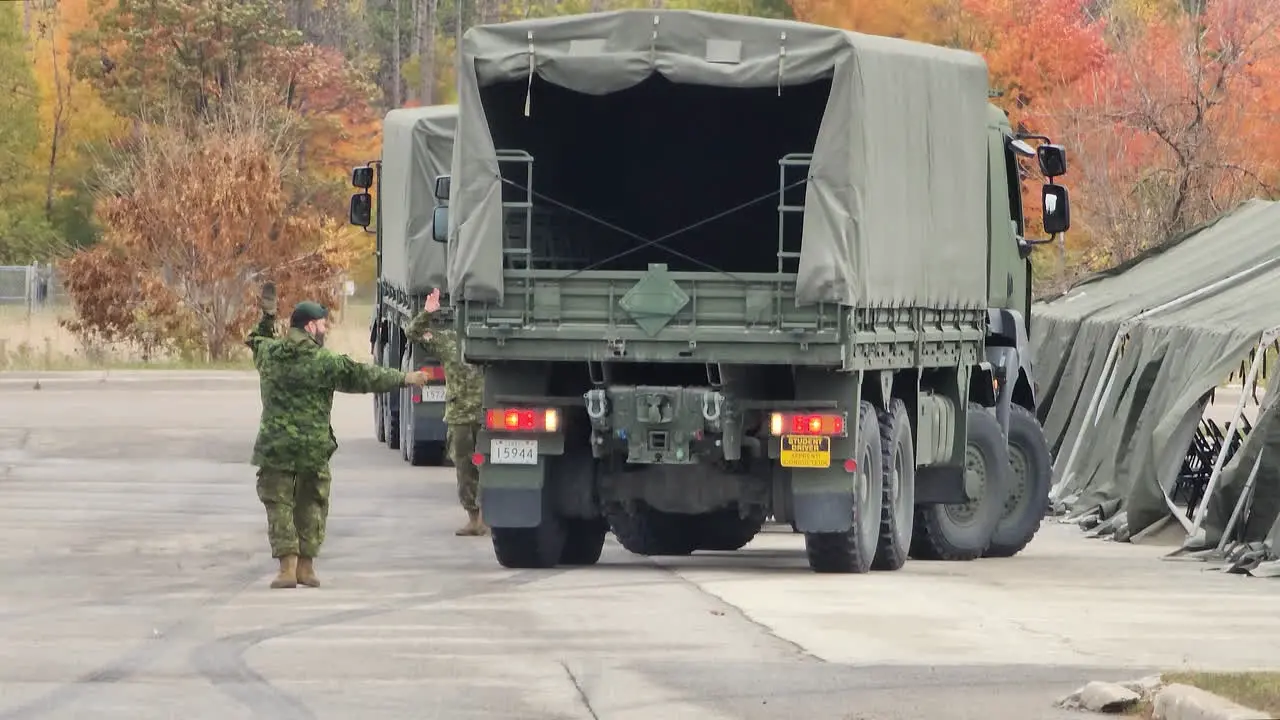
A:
(464, 394)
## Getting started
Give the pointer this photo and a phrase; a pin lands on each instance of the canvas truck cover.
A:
(896, 204)
(417, 146)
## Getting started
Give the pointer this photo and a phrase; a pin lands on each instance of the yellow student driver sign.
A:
(806, 451)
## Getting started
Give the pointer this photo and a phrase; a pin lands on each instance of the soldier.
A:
(464, 393)
(295, 440)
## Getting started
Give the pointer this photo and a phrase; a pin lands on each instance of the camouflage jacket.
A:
(464, 384)
(297, 379)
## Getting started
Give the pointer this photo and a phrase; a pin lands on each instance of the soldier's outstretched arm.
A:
(348, 376)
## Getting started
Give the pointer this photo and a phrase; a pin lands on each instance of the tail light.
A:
(522, 419)
(434, 373)
(807, 424)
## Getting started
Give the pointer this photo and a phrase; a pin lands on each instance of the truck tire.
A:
(1032, 475)
(652, 532)
(530, 548)
(898, 505)
(583, 541)
(379, 429)
(854, 550)
(963, 531)
(426, 453)
(406, 423)
(391, 410)
(726, 530)
(391, 419)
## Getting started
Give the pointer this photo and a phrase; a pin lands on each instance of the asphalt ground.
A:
(134, 570)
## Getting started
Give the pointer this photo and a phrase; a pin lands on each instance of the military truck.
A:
(721, 269)
(416, 148)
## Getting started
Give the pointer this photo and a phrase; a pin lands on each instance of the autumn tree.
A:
(73, 118)
(1177, 128)
(145, 54)
(195, 219)
(24, 234)
(331, 98)
(932, 21)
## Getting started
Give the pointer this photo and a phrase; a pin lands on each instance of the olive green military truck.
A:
(721, 269)
(417, 144)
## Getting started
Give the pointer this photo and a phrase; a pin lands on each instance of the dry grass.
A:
(1256, 690)
(37, 341)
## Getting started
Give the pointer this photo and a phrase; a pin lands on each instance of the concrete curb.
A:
(1171, 702)
(1184, 702)
(134, 376)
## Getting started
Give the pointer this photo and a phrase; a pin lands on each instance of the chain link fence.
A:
(34, 307)
(30, 287)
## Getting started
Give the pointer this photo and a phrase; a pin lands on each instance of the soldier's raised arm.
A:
(436, 333)
(424, 325)
(266, 328)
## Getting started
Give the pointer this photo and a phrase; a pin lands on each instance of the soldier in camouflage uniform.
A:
(295, 441)
(464, 394)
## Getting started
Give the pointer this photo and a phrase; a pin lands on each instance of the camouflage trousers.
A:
(461, 441)
(297, 508)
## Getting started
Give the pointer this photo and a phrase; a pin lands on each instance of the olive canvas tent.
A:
(1128, 359)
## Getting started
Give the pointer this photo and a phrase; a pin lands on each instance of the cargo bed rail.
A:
(555, 309)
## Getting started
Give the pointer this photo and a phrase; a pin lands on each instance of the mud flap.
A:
(822, 499)
(511, 495)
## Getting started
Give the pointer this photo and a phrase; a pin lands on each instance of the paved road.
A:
(134, 570)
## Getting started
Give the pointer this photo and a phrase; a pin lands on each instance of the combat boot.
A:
(474, 527)
(288, 575)
(307, 572)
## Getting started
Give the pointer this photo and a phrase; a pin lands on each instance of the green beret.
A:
(306, 311)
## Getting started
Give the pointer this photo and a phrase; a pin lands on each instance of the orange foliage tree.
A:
(1175, 128)
(194, 223)
(1168, 110)
(933, 21)
(332, 97)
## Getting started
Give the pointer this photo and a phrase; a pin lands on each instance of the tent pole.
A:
(1255, 367)
(1245, 499)
(1056, 491)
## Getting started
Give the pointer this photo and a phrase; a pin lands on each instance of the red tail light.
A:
(807, 424)
(522, 419)
(435, 373)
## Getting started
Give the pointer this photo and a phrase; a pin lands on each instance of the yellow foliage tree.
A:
(72, 113)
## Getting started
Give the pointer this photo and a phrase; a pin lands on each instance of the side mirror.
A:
(440, 224)
(362, 177)
(442, 188)
(361, 209)
(1053, 160)
(1057, 209)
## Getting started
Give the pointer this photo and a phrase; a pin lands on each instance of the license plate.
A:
(513, 452)
(806, 451)
(433, 393)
